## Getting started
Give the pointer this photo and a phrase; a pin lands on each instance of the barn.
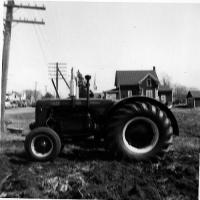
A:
(193, 98)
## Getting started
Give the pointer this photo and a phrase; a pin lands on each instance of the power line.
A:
(40, 45)
(43, 37)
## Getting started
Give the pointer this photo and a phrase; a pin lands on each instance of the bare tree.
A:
(180, 93)
(166, 80)
(48, 95)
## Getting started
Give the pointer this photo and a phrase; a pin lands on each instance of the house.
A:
(193, 98)
(13, 97)
(165, 94)
(23, 96)
(98, 95)
(111, 94)
(137, 82)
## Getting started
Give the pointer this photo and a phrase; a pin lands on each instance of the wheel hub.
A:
(42, 145)
(140, 135)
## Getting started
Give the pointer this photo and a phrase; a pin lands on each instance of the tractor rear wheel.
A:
(42, 144)
(139, 131)
(62, 147)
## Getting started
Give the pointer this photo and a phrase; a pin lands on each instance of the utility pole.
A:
(45, 88)
(57, 71)
(5, 58)
(57, 78)
(6, 46)
(35, 91)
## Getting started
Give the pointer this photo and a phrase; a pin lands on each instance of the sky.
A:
(98, 38)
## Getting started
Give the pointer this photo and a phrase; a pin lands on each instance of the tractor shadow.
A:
(86, 151)
(82, 155)
(83, 151)
(18, 158)
(73, 154)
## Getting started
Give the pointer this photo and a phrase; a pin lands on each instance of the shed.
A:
(165, 94)
(111, 94)
(193, 98)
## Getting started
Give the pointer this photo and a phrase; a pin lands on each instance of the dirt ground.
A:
(81, 172)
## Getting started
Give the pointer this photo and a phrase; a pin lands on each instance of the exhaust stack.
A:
(88, 77)
(72, 84)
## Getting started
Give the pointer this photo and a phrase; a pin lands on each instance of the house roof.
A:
(133, 77)
(194, 93)
(164, 88)
(112, 91)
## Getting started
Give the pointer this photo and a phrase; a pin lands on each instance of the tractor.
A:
(134, 128)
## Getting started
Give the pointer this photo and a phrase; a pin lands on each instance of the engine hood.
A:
(98, 105)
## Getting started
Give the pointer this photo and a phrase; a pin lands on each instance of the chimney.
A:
(154, 68)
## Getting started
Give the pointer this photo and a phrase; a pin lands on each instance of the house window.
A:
(149, 93)
(130, 93)
(149, 84)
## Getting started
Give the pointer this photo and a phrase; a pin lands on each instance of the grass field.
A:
(19, 118)
(80, 172)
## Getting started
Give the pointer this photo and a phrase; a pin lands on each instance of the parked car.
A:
(22, 103)
(14, 105)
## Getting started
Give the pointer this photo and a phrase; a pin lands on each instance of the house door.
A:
(190, 102)
(163, 98)
(130, 93)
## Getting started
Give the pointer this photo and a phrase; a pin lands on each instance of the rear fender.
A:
(154, 102)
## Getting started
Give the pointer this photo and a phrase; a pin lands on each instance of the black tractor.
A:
(135, 128)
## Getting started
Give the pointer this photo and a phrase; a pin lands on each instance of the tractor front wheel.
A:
(42, 144)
